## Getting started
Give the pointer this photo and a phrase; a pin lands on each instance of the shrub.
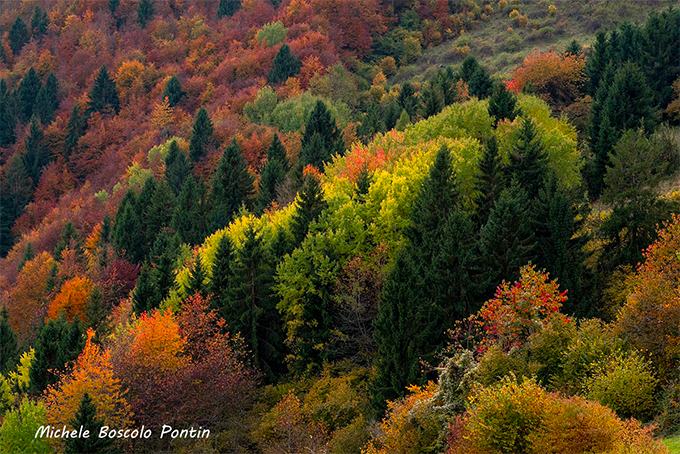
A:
(548, 347)
(627, 385)
(512, 43)
(497, 364)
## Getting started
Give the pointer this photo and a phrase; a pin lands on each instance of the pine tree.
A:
(113, 6)
(96, 314)
(70, 238)
(403, 122)
(189, 218)
(502, 104)
(143, 294)
(196, 283)
(232, 187)
(228, 8)
(221, 275)
(476, 77)
(173, 91)
(309, 207)
(363, 183)
(433, 100)
(507, 241)
(372, 123)
(163, 258)
(285, 65)
(39, 21)
(144, 12)
(8, 343)
(391, 113)
(202, 135)
(18, 36)
(15, 193)
(272, 176)
(158, 213)
(27, 256)
(7, 121)
(528, 162)
(177, 168)
(36, 155)
(128, 227)
(27, 92)
(321, 139)
(103, 97)
(86, 417)
(75, 128)
(574, 48)
(489, 180)
(46, 102)
(408, 100)
(58, 344)
(597, 63)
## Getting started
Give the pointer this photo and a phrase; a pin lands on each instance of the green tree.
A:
(177, 167)
(70, 238)
(158, 213)
(27, 92)
(75, 128)
(272, 176)
(408, 100)
(502, 104)
(196, 284)
(8, 120)
(528, 160)
(173, 91)
(58, 344)
(285, 65)
(18, 36)
(321, 138)
(232, 187)
(489, 180)
(476, 77)
(16, 192)
(128, 226)
(597, 63)
(309, 207)
(201, 136)
(17, 433)
(103, 97)
(143, 293)
(221, 275)
(8, 343)
(433, 100)
(228, 8)
(27, 256)
(36, 155)
(144, 12)
(189, 218)
(86, 417)
(46, 102)
(574, 48)
(39, 21)
(157, 276)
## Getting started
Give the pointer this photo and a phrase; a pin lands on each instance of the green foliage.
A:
(17, 433)
(201, 135)
(37, 155)
(27, 92)
(490, 180)
(17, 35)
(228, 8)
(39, 21)
(75, 128)
(273, 33)
(173, 91)
(272, 176)
(46, 101)
(502, 104)
(476, 77)
(285, 65)
(232, 187)
(86, 417)
(260, 110)
(177, 167)
(308, 209)
(103, 97)
(528, 160)
(189, 220)
(144, 12)
(8, 343)
(321, 139)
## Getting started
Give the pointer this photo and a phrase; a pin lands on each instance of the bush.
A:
(512, 43)
(497, 364)
(627, 385)
(548, 347)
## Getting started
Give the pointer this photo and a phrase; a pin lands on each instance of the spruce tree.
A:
(189, 218)
(36, 155)
(144, 12)
(7, 121)
(15, 193)
(597, 63)
(408, 100)
(70, 238)
(177, 168)
(39, 21)
(433, 100)
(57, 345)
(18, 36)
(574, 48)
(196, 284)
(27, 92)
(46, 102)
(528, 163)
(221, 275)
(103, 97)
(321, 138)
(158, 213)
(232, 187)
(27, 256)
(173, 91)
(272, 176)
(363, 183)
(309, 207)
(201, 136)
(8, 343)
(75, 128)
(489, 180)
(146, 237)
(285, 65)
(476, 77)
(128, 229)
(502, 104)
(228, 8)
(373, 123)
(163, 257)
(143, 294)
(86, 417)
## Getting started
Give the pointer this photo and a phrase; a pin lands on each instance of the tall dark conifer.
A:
(144, 12)
(285, 65)
(75, 128)
(321, 138)
(190, 216)
(221, 275)
(177, 167)
(8, 343)
(528, 163)
(104, 96)
(272, 176)
(489, 180)
(309, 208)
(173, 91)
(36, 155)
(27, 92)
(502, 104)
(201, 136)
(228, 8)
(18, 36)
(86, 417)
(232, 187)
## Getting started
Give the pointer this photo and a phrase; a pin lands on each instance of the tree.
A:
(502, 104)
(158, 212)
(489, 181)
(71, 299)
(37, 155)
(143, 293)
(39, 21)
(17, 433)
(46, 102)
(28, 255)
(285, 65)
(221, 274)
(58, 344)
(196, 284)
(597, 63)
(177, 167)
(70, 238)
(201, 136)
(144, 12)
(173, 91)
(272, 176)
(528, 160)
(17, 191)
(75, 128)
(18, 36)
(232, 187)
(127, 229)
(309, 207)
(408, 100)
(228, 8)
(27, 92)
(8, 121)
(433, 100)
(321, 138)
(104, 96)
(190, 216)
(86, 417)
(476, 77)
(8, 343)
(574, 48)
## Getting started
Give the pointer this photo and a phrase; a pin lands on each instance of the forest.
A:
(340, 226)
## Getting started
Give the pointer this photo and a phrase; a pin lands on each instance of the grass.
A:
(673, 444)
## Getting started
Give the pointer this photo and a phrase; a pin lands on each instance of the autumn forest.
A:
(340, 226)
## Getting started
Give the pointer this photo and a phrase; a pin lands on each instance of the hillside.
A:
(267, 227)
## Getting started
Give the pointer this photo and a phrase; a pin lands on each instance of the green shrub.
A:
(496, 364)
(627, 385)
(548, 347)
(513, 43)
(273, 33)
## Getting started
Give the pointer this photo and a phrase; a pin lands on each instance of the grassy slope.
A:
(501, 49)
(673, 444)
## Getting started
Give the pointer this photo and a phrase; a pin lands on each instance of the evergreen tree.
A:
(27, 92)
(476, 77)
(144, 12)
(528, 159)
(373, 123)
(228, 8)
(173, 91)
(251, 309)
(146, 236)
(309, 207)
(189, 218)
(96, 314)
(489, 180)
(221, 275)
(196, 283)
(7, 121)
(75, 128)
(15, 193)
(143, 294)
(285, 65)
(39, 21)
(58, 344)
(363, 183)
(159, 212)
(408, 100)
(232, 187)
(8, 343)
(202, 135)
(163, 257)
(277, 152)
(403, 122)
(177, 167)
(574, 48)
(502, 104)
(391, 114)
(70, 238)
(18, 36)
(46, 102)
(507, 241)
(103, 97)
(597, 63)
(36, 155)
(433, 100)
(272, 176)
(27, 256)
(127, 229)
(86, 417)
(321, 138)
(113, 6)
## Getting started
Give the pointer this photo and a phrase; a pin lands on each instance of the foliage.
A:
(273, 33)
(17, 433)
(71, 299)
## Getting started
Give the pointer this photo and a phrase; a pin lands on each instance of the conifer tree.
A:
(363, 183)
(70, 238)
(272, 176)
(476, 77)
(39, 21)
(158, 213)
(502, 104)
(489, 180)
(528, 163)
(113, 6)
(8, 343)
(173, 91)
(46, 102)
(189, 218)
(27, 256)
(144, 12)
(143, 293)
(285, 65)
(7, 121)
(321, 139)
(104, 96)
(96, 314)
(36, 155)
(58, 344)
(232, 187)
(201, 136)
(403, 122)
(408, 100)
(27, 92)
(196, 284)
(228, 8)
(162, 258)
(177, 167)
(221, 275)
(433, 100)
(86, 417)
(597, 63)
(372, 123)
(574, 48)
(75, 128)
(391, 114)
(18, 36)
(128, 229)
(309, 208)
(506, 241)
(16, 192)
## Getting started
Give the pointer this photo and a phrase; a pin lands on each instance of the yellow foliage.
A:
(71, 299)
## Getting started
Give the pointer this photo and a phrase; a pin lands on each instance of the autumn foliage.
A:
(71, 299)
